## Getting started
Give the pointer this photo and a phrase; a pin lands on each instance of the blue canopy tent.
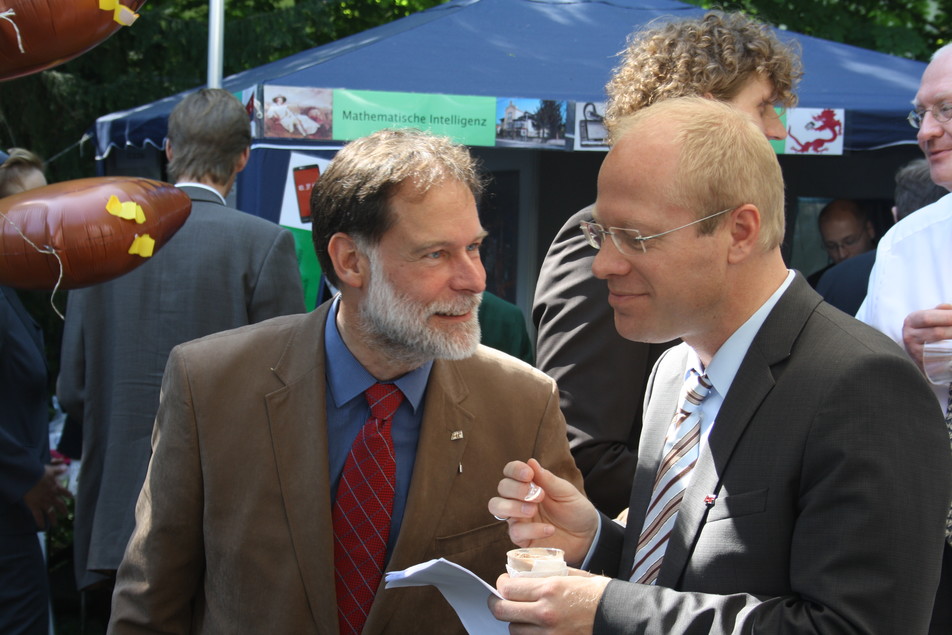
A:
(562, 50)
(544, 49)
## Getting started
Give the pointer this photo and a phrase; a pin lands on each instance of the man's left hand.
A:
(560, 604)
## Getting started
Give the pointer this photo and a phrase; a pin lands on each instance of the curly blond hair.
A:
(715, 54)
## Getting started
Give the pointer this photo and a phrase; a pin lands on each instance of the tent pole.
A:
(216, 41)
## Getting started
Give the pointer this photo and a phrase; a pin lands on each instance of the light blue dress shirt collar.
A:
(348, 379)
(728, 358)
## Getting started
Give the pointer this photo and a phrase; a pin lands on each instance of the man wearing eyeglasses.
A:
(792, 472)
(723, 56)
(846, 231)
(910, 287)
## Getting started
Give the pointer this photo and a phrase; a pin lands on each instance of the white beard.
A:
(399, 325)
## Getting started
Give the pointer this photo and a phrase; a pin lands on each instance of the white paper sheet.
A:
(465, 591)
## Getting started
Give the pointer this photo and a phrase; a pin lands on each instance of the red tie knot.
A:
(383, 399)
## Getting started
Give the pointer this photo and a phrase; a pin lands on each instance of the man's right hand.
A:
(927, 325)
(557, 516)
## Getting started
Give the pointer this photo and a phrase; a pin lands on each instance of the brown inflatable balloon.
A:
(98, 229)
(39, 34)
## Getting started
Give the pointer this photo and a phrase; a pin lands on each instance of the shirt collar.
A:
(204, 187)
(727, 360)
(347, 378)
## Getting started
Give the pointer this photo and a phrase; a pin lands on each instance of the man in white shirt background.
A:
(910, 287)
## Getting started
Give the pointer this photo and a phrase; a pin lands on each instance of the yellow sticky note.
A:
(124, 15)
(120, 12)
(113, 206)
(143, 246)
(129, 210)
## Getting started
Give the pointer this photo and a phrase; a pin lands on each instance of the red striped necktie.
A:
(363, 509)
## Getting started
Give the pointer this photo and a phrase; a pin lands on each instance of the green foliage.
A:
(907, 28)
(164, 53)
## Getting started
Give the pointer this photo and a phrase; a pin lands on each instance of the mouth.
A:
(616, 297)
(935, 153)
(452, 316)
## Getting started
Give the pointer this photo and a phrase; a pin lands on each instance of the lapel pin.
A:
(709, 500)
(456, 435)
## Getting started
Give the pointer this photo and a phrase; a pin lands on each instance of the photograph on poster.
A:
(530, 122)
(292, 112)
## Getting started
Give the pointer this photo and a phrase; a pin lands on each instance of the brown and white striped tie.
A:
(681, 448)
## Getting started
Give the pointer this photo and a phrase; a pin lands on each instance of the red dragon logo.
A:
(827, 122)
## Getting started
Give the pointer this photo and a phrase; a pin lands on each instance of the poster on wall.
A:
(292, 112)
(304, 170)
(466, 119)
(530, 123)
(590, 131)
(815, 131)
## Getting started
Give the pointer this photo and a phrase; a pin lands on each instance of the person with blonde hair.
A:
(780, 488)
(723, 56)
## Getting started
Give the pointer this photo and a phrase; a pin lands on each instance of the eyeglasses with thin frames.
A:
(942, 112)
(846, 243)
(630, 241)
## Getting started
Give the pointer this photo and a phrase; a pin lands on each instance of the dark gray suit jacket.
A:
(830, 465)
(601, 375)
(223, 269)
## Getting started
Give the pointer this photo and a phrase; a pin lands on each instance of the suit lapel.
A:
(438, 458)
(756, 377)
(297, 417)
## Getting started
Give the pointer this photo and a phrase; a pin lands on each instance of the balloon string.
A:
(6, 16)
(45, 250)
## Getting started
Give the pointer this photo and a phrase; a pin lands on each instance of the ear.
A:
(870, 230)
(744, 225)
(168, 150)
(350, 264)
(242, 160)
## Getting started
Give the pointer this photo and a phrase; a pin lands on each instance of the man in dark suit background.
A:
(223, 269)
(844, 284)
(724, 56)
(809, 492)
(846, 232)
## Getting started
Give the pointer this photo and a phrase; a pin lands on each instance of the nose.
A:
(774, 127)
(609, 261)
(929, 129)
(470, 275)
